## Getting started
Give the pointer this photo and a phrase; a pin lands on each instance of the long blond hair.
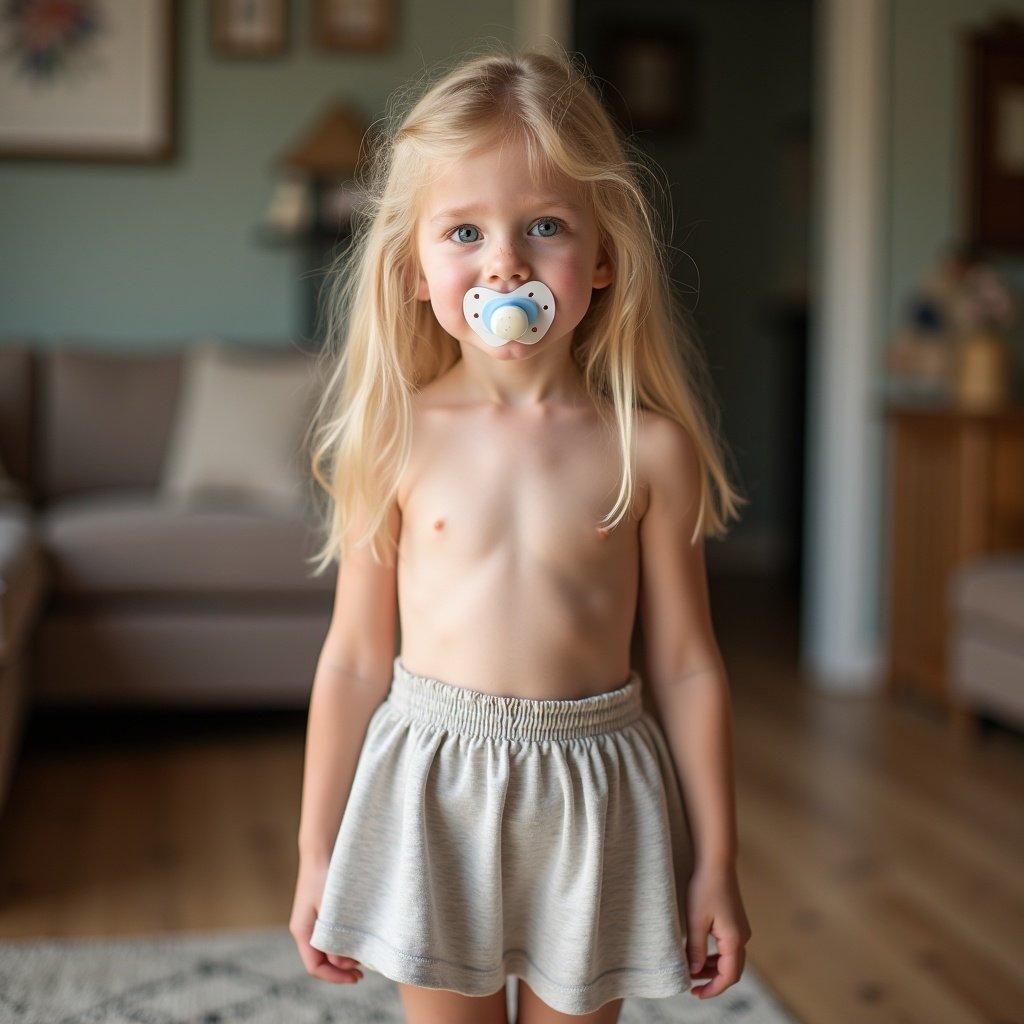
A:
(635, 346)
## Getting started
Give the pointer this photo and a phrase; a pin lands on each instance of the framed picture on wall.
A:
(994, 178)
(353, 24)
(652, 73)
(249, 28)
(83, 80)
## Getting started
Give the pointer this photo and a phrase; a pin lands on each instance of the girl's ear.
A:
(604, 272)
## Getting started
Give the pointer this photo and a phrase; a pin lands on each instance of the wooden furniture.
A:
(956, 489)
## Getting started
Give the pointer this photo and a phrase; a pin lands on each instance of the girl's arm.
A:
(352, 678)
(684, 668)
(688, 687)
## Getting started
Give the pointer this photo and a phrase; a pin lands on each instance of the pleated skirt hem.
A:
(376, 954)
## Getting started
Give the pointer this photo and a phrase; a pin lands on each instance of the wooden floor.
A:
(881, 864)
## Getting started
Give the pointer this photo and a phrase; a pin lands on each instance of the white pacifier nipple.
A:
(509, 322)
(523, 315)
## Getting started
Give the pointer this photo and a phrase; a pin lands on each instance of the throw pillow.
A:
(238, 428)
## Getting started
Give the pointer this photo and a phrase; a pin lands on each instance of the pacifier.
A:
(523, 315)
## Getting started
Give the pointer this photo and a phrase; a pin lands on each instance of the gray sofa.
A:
(109, 596)
(986, 663)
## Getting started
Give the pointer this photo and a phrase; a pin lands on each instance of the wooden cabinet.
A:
(955, 489)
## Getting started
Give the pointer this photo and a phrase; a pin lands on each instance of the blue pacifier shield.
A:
(523, 315)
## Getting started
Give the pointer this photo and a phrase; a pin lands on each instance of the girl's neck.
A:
(547, 378)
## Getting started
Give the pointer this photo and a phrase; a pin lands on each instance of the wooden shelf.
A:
(1011, 413)
(956, 490)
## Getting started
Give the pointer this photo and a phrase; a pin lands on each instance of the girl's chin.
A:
(511, 349)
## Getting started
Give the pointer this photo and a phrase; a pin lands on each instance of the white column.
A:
(540, 21)
(840, 648)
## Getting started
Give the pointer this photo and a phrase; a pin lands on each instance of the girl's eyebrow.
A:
(463, 211)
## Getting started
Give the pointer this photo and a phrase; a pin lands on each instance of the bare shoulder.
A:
(668, 462)
(428, 407)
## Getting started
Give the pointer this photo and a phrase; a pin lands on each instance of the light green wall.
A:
(927, 143)
(158, 252)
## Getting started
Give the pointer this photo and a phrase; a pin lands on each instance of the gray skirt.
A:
(487, 836)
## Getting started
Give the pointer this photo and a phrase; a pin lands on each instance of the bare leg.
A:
(533, 1010)
(442, 1006)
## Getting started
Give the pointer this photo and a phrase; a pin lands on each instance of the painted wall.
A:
(145, 253)
(927, 144)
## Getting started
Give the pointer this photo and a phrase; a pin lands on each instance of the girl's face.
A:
(485, 222)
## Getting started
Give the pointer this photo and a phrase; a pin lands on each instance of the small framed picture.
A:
(249, 28)
(653, 71)
(994, 173)
(353, 24)
(82, 80)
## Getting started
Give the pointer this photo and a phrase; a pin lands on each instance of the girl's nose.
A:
(507, 265)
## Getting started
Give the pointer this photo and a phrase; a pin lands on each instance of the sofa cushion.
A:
(987, 673)
(239, 427)
(990, 588)
(104, 418)
(128, 542)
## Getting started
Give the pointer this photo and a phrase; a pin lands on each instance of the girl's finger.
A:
(342, 961)
(728, 972)
(710, 968)
(318, 965)
(696, 945)
(328, 972)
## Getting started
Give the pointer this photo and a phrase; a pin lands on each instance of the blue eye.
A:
(548, 220)
(456, 233)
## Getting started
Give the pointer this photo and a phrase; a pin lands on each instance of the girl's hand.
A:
(714, 904)
(341, 970)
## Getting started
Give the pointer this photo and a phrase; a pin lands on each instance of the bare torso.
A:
(507, 583)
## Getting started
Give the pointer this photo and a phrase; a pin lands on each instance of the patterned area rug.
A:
(256, 977)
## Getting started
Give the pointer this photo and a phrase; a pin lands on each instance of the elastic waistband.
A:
(433, 701)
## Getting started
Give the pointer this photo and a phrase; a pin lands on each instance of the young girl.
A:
(517, 461)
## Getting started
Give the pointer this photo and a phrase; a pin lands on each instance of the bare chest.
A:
(527, 497)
